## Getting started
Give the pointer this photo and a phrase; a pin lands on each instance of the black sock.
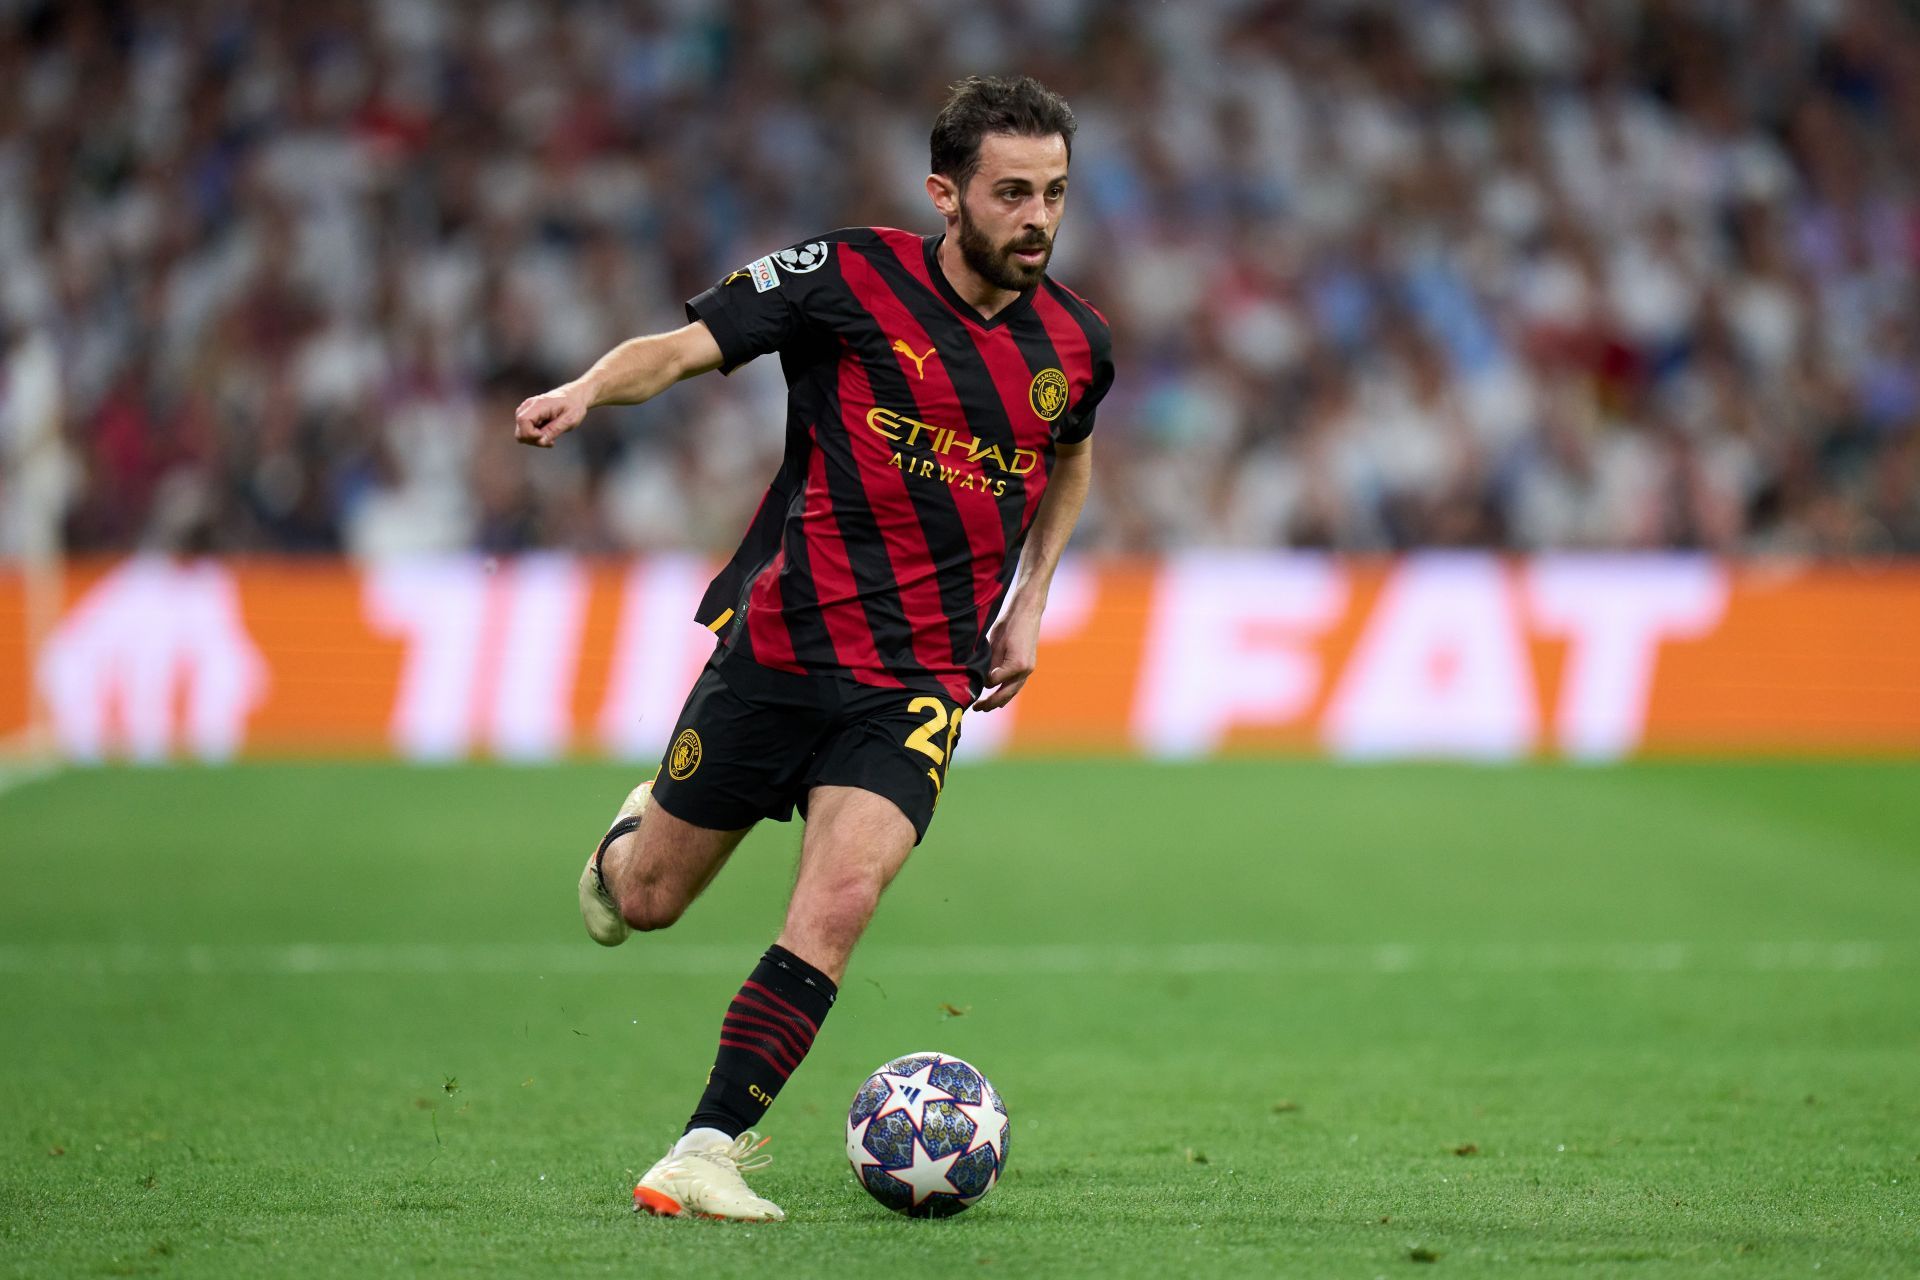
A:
(767, 1031)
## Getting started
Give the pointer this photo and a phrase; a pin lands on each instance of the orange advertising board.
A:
(1442, 655)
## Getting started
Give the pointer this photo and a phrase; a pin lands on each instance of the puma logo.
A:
(919, 361)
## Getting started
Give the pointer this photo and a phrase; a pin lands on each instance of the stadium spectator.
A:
(1512, 273)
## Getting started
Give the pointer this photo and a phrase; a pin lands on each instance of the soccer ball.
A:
(927, 1135)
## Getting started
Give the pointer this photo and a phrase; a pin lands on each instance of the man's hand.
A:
(1012, 649)
(542, 419)
(632, 373)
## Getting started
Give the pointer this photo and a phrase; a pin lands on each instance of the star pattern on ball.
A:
(970, 1201)
(927, 1176)
(895, 1111)
(857, 1152)
(989, 1127)
(911, 1094)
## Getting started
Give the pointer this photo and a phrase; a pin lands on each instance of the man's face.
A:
(1010, 209)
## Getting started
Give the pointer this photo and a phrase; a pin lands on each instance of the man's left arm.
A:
(1013, 644)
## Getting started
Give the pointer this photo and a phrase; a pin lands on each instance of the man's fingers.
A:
(1007, 671)
(541, 420)
(1002, 696)
(1005, 680)
(528, 419)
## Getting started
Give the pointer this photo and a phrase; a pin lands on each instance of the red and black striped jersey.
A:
(919, 441)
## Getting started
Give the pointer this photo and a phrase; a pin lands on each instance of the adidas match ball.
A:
(927, 1135)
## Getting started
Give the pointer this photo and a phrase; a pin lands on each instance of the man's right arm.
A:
(635, 371)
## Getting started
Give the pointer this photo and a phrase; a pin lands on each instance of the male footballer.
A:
(941, 396)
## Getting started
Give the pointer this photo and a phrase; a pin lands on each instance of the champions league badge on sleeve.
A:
(765, 272)
(803, 258)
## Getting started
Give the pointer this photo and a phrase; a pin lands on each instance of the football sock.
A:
(767, 1031)
(700, 1139)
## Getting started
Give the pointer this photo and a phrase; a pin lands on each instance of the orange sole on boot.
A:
(661, 1205)
(657, 1203)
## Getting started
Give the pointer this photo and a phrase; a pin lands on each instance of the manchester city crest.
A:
(685, 757)
(1048, 394)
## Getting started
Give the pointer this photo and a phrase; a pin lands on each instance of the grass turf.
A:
(1250, 1018)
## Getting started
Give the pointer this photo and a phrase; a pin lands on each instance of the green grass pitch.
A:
(1250, 1018)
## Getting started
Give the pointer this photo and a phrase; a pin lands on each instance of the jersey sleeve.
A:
(1078, 424)
(765, 305)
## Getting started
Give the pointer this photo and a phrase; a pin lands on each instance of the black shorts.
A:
(752, 742)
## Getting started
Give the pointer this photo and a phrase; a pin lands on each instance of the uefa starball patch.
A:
(803, 258)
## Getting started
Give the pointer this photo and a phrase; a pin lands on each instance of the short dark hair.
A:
(980, 105)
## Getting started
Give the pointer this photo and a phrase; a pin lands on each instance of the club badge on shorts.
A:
(685, 757)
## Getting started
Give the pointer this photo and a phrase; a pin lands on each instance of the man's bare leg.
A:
(855, 843)
(656, 872)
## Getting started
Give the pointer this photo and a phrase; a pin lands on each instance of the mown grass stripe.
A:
(1038, 959)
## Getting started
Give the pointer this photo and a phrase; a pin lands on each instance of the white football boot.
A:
(706, 1182)
(605, 924)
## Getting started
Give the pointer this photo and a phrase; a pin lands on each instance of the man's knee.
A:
(852, 904)
(656, 877)
(841, 908)
(648, 906)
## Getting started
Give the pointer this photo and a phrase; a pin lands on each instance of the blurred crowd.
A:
(1582, 274)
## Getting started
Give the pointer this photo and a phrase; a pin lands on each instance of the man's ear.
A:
(944, 194)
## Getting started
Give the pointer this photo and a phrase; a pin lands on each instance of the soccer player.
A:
(941, 392)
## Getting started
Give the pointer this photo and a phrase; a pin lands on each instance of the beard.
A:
(995, 263)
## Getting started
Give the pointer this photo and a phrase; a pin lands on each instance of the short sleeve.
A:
(762, 307)
(1078, 423)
